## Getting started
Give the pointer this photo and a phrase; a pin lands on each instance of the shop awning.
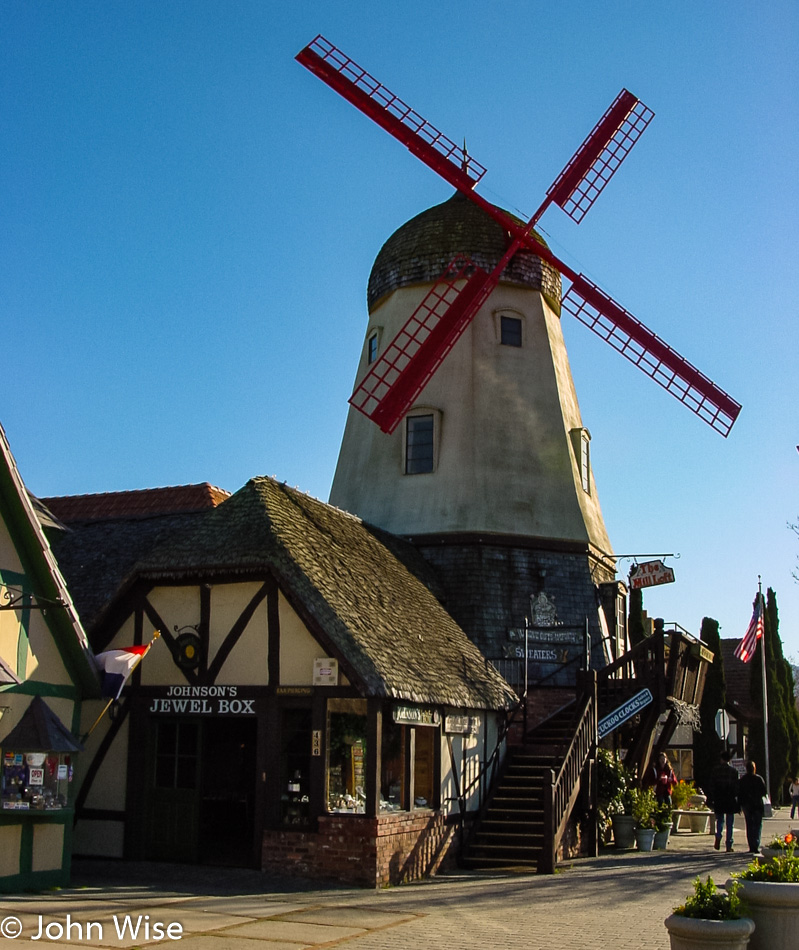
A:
(40, 730)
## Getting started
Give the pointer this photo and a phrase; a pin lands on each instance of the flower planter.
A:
(698, 821)
(645, 838)
(692, 933)
(775, 911)
(624, 831)
(769, 853)
(662, 839)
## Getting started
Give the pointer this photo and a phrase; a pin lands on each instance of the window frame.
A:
(421, 412)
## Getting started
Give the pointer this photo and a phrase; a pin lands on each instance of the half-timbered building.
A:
(309, 706)
(46, 670)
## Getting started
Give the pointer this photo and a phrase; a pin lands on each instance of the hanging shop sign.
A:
(417, 715)
(541, 654)
(650, 574)
(624, 712)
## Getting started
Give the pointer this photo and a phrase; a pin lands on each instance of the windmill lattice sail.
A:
(598, 159)
(628, 336)
(409, 361)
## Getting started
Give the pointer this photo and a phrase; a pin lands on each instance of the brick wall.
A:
(369, 852)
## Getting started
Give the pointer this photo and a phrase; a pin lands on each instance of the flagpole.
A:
(765, 688)
(96, 723)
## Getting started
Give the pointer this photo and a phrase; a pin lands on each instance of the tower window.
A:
(371, 347)
(419, 445)
(510, 331)
(581, 443)
(585, 462)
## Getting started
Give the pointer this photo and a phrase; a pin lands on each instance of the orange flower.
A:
(788, 838)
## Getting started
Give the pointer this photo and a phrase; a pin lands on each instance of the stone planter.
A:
(698, 821)
(692, 933)
(662, 839)
(623, 831)
(645, 838)
(775, 911)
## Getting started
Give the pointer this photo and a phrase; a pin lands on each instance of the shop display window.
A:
(35, 780)
(424, 767)
(346, 755)
(392, 777)
(295, 760)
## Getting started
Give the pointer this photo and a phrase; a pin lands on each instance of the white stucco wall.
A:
(506, 462)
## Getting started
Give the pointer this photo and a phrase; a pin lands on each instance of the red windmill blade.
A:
(406, 366)
(393, 384)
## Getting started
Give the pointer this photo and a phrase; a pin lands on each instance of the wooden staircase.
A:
(510, 834)
(522, 825)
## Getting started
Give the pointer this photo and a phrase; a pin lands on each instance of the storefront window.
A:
(424, 767)
(346, 755)
(392, 778)
(37, 780)
(295, 755)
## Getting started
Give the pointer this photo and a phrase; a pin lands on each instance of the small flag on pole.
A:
(746, 648)
(117, 665)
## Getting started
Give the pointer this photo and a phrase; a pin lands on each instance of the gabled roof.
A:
(737, 680)
(385, 624)
(47, 583)
(143, 503)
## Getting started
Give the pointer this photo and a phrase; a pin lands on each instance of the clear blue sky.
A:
(189, 221)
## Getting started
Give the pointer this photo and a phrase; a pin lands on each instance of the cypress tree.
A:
(707, 745)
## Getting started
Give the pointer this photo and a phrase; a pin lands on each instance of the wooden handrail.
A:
(561, 791)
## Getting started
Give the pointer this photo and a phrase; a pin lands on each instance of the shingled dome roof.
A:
(420, 250)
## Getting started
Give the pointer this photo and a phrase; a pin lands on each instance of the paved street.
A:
(617, 900)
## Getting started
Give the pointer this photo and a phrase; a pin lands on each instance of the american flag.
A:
(746, 648)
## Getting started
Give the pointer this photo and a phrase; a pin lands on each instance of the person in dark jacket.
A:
(751, 792)
(724, 791)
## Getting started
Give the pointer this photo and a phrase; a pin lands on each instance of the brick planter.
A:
(368, 852)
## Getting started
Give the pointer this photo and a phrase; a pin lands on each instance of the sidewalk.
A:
(617, 900)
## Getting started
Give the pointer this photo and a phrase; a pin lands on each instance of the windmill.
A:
(410, 360)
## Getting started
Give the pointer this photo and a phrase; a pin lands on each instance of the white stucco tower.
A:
(489, 474)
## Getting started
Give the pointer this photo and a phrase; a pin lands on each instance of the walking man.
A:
(751, 792)
(724, 789)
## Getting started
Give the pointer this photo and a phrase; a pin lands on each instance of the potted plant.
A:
(779, 846)
(662, 817)
(611, 786)
(643, 808)
(680, 794)
(614, 800)
(771, 891)
(710, 919)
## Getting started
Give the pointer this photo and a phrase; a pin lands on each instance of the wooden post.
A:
(547, 863)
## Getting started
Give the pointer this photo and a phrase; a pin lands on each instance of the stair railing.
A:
(561, 789)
